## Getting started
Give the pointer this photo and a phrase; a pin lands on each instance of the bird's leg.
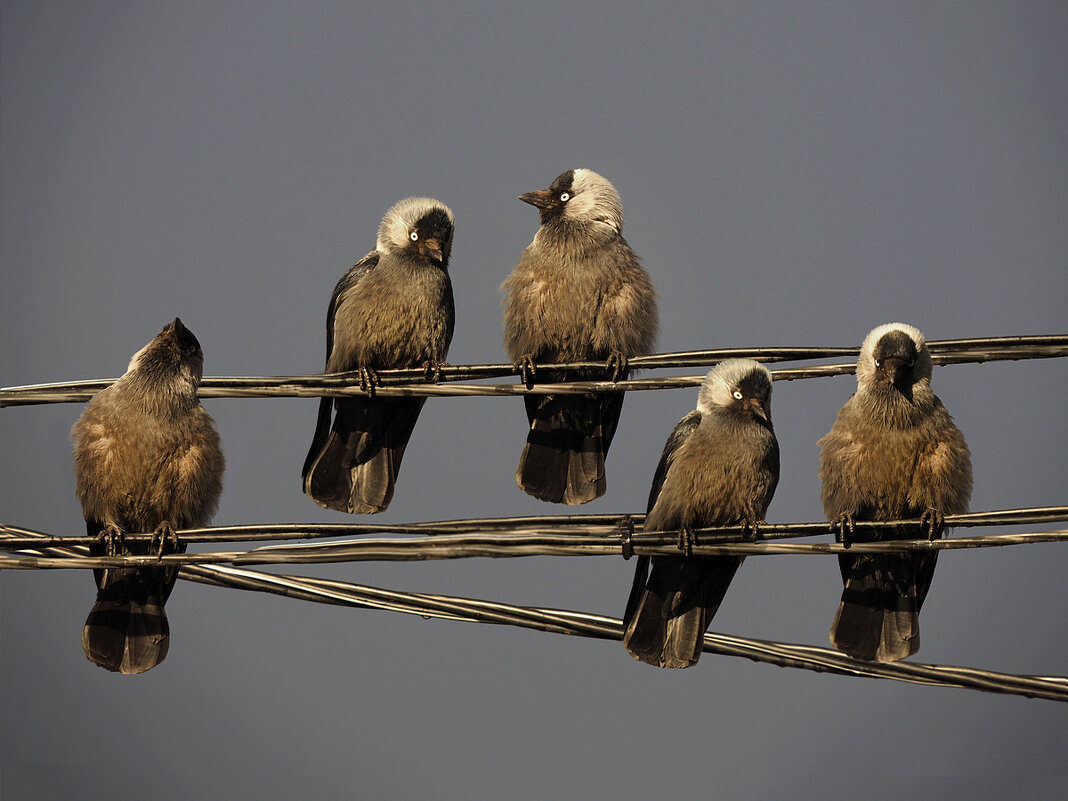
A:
(934, 521)
(844, 529)
(434, 370)
(368, 379)
(165, 534)
(751, 528)
(114, 540)
(616, 366)
(687, 539)
(526, 369)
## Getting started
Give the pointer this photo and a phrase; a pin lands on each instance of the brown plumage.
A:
(146, 459)
(892, 453)
(578, 293)
(720, 467)
(392, 309)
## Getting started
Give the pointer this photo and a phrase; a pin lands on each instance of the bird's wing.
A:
(682, 431)
(348, 280)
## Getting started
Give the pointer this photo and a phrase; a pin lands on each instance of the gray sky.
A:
(790, 175)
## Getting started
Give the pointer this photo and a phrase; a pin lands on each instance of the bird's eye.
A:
(564, 197)
(737, 394)
(414, 236)
(878, 362)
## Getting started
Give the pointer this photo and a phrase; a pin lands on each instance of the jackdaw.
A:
(720, 467)
(392, 309)
(578, 293)
(146, 459)
(893, 453)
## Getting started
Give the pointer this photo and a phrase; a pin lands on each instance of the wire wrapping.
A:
(822, 660)
(520, 537)
(410, 382)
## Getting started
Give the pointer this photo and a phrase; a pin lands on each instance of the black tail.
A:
(353, 465)
(667, 616)
(126, 630)
(879, 615)
(563, 461)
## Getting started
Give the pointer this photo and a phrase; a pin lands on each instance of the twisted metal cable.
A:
(580, 624)
(535, 536)
(412, 382)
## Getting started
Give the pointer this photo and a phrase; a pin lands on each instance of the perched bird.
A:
(893, 453)
(578, 293)
(392, 309)
(720, 467)
(146, 459)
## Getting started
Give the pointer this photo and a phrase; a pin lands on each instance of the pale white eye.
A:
(564, 197)
(414, 236)
(878, 362)
(737, 394)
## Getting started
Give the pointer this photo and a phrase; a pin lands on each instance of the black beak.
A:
(432, 248)
(543, 198)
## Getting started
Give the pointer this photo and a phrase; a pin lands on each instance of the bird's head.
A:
(173, 361)
(739, 387)
(420, 227)
(895, 356)
(579, 197)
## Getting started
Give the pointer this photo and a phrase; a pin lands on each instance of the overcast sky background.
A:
(791, 174)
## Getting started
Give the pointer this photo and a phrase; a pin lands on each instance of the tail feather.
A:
(667, 616)
(563, 460)
(127, 630)
(355, 469)
(878, 618)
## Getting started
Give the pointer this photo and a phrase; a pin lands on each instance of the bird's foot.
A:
(433, 371)
(526, 369)
(616, 366)
(934, 521)
(751, 528)
(844, 529)
(687, 539)
(114, 540)
(164, 535)
(368, 379)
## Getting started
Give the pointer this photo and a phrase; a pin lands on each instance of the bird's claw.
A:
(934, 521)
(687, 539)
(433, 371)
(750, 528)
(844, 529)
(368, 379)
(114, 540)
(165, 535)
(526, 369)
(616, 366)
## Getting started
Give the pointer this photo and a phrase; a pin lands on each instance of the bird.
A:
(578, 293)
(146, 459)
(720, 467)
(892, 453)
(392, 309)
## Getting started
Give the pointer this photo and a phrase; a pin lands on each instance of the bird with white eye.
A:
(893, 453)
(720, 467)
(578, 293)
(392, 309)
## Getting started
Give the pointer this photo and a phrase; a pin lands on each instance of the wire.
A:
(411, 382)
(531, 537)
(823, 660)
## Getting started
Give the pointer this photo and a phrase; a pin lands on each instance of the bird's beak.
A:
(432, 248)
(893, 367)
(757, 408)
(543, 198)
